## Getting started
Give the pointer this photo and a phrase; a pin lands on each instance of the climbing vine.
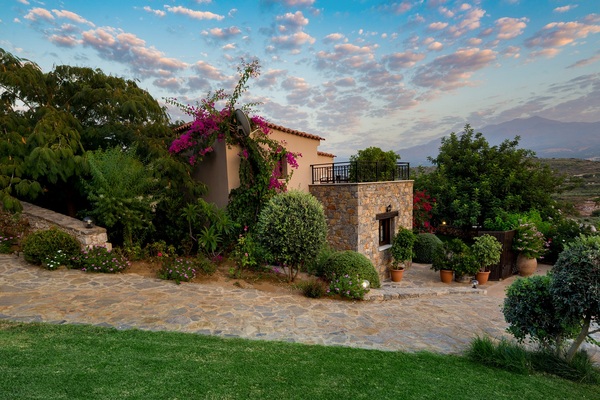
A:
(262, 158)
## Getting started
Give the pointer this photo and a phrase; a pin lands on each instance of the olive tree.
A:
(372, 164)
(292, 228)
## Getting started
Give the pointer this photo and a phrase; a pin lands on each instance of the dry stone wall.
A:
(41, 218)
(351, 211)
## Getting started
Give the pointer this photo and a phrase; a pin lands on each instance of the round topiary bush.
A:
(292, 228)
(425, 248)
(351, 263)
(51, 244)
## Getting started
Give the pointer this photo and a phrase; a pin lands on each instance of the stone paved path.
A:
(439, 323)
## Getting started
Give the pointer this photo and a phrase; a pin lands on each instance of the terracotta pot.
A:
(446, 275)
(482, 277)
(526, 265)
(396, 274)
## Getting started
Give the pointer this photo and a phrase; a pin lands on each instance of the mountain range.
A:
(547, 138)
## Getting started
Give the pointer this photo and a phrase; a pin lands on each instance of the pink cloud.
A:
(454, 70)
(558, 34)
(72, 16)
(403, 60)
(208, 71)
(509, 28)
(224, 34)
(201, 15)
(36, 14)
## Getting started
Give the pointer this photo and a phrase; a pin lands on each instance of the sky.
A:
(390, 74)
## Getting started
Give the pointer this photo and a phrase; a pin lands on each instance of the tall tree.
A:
(373, 164)
(49, 120)
(474, 181)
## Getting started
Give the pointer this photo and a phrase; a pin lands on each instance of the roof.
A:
(322, 153)
(187, 126)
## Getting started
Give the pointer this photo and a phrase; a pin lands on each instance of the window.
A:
(385, 231)
(386, 227)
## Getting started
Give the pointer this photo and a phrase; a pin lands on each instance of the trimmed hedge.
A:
(41, 245)
(425, 248)
(352, 263)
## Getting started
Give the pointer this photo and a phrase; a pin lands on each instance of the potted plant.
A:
(530, 244)
(402, 253)
(487, 251)
(442, 261)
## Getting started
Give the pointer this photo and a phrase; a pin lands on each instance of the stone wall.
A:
(41, 218)
(351, 211)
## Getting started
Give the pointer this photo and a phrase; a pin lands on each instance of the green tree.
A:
(474, 181)
(373, 164)
(49, 120)
(575, 286)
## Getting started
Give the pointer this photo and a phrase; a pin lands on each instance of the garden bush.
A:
(351, 263)
(313, 289)
(100, 259)
(347, 286)
(425, 247)
(318, 264)
(50, 244)
(178, 269)
(13, 228)
(292, 228)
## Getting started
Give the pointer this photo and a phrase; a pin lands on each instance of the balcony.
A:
(358, 172)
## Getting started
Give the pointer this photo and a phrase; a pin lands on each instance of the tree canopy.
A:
(49, 121)
(372, 164)
(474, 181)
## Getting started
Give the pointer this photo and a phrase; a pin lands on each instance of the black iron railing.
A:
(354, 172)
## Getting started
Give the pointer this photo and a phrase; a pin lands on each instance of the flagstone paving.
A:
(416, 316)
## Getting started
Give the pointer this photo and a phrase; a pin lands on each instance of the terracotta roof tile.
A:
(322, 153)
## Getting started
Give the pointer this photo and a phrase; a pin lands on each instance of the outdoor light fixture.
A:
(388, 208)
(366, 284)
(475, 283)
(88, 223)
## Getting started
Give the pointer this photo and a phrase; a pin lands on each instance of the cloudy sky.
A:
(360, 73)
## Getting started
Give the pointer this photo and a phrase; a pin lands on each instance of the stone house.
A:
(361, 216)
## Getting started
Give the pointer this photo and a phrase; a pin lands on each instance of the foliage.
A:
(563, 232)
(351, 263)
(133, 360)
(54, 261)
(503, 354)
(208, 225)
(531, 312)
(402, 247)
(373, 164)
(425, 247)
(246, 253)
(100, 259)
(43, 243)
(123, 194)
(51, 119)
(473, 182)
(486, 250)
(515, 358)
(575, 286)
(455, 255)
(313, 289)
(13, 228)
(261, 158)
(178, 269)
(529, 241)
(423, 205)
(347, 286)
(292, 228)
(316, 267)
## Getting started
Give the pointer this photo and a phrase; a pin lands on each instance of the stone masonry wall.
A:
(41, 218)
(351, 211)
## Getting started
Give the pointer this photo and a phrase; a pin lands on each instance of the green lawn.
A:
(42, 361)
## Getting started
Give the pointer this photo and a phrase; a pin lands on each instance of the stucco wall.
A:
(351, 211)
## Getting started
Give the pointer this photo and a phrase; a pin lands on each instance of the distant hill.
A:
(548, 138)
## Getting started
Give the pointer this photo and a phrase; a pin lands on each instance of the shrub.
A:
(178, 269)
(348, 286)
(425, 247)
(531, 312)
(455, 255)
(313, 289)
(317, 266)
(292, 228)
(100, 259)
(351, 263)
(486, 250)
(504, 354)
(45, 244)
(402, 247)
(13, 227)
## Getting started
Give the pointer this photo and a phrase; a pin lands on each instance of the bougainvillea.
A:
(262, 158)
(422, 205)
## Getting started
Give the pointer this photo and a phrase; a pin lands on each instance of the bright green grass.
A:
(41, 361)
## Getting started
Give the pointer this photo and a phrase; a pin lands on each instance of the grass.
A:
(42, 361)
